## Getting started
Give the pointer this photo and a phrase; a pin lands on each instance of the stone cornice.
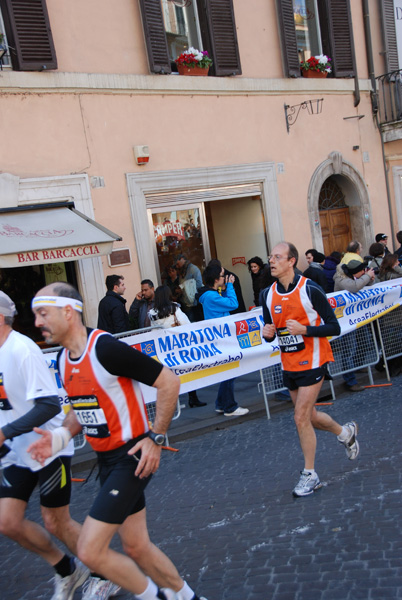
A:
(104, 83)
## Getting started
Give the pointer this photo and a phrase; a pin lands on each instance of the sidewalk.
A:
(193, 422)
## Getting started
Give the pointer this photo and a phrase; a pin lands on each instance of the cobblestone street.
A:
(222, 509)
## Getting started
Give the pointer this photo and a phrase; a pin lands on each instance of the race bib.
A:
(288, 342)
(90, 415)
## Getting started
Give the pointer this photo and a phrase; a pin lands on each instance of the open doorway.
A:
(237, 232)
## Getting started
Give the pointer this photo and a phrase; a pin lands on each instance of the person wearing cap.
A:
(101, 376)
(315, 270)
(382, 238)
(28, 399)
(352, 277)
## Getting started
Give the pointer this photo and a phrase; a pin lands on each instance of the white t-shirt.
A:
(25, 376)
(169, 321)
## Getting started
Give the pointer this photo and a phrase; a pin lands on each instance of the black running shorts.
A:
(54, 483)
(295, 379)
(121, 493)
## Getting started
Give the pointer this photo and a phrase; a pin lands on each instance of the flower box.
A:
(193, 62)
(193, 71)
(314, 74)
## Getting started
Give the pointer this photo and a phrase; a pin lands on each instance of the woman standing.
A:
(167, 313)
(260, 276)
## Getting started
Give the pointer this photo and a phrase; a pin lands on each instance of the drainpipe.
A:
(374, 104)
(369, 50)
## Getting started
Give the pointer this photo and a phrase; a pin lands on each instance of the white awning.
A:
(48, 235)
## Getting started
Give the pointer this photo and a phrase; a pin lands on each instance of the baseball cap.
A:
(355, 266)
(381, 236)
(7, 306)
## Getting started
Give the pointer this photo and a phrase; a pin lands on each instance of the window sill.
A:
(56, 82)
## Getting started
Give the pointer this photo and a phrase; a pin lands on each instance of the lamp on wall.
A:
(314, 107)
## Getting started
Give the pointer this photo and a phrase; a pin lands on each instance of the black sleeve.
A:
(322, 306)
(45, 409)
(122, 360)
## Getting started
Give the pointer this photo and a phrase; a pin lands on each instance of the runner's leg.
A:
(93, 550)
(153, 562)
(304, 399)
(28, 534)
(59, 523)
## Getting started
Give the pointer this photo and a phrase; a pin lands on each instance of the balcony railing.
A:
(390, 97)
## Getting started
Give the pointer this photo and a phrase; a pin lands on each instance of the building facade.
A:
(236, 161)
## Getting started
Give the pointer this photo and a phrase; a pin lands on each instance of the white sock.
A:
(344, 435)
(150, 592)
(186, 592)
(312, 471)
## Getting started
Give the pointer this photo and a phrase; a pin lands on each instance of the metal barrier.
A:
(271, 382)
(389, 328)
(355, 350)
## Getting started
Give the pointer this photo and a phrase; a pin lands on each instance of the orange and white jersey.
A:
(298, 352)
(110, 408)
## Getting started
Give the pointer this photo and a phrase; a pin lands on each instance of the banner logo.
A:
(248, 333)
(147, 348)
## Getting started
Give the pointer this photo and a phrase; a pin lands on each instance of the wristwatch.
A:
(157, 438)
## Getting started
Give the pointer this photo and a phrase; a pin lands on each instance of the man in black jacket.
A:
(315, 270)
(112, 314)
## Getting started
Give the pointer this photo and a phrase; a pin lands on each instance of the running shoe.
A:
(351, 444)
(64, 587)
(308, 483)
(99, 589)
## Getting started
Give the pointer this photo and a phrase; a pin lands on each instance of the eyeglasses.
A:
(277, 257)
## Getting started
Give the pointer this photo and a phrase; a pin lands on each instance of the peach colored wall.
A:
(47, 137)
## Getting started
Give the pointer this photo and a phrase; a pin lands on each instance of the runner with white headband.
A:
(101, 375)
(58, 301)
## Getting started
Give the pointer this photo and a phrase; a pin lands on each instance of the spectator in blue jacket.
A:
(218, 298)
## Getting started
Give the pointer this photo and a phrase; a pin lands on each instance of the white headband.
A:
(56, 301)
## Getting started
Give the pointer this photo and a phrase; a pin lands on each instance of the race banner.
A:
(212, 351)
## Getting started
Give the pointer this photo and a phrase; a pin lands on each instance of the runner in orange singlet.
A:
(297, 311)
(100, 376)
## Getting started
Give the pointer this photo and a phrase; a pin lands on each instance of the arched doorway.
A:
(356, 198)
(334, 217)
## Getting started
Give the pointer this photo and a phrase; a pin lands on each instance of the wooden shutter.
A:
(155, 36)
(223, 37)
(389, 34)
(288, 37)
(341, 38)
(28, 33)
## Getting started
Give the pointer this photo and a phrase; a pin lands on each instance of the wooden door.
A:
(335, 229)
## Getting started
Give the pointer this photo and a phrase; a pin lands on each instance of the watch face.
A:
(157, 438)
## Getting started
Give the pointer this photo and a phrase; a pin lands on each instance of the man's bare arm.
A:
(168, 386)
